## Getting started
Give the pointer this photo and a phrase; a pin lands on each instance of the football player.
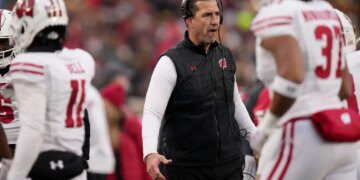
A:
(299, 57)
(102, 160)
(5, 154)
(8, 113)
(50, 83)
(352, 59)
(352, 54)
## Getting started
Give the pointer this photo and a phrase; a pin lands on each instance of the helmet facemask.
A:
(7, 52)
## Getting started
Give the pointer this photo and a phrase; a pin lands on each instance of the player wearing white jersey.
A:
(50, 84)
(9, 118)
(299, 57)
(101, 162)
(352, 56)
(8, 112)
(353, 60)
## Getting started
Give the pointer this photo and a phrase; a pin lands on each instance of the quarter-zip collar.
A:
(200, 47)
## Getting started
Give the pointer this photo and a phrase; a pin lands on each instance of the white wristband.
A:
(285, 87)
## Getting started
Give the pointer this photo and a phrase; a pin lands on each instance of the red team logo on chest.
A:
(6, 110)
(222, 63)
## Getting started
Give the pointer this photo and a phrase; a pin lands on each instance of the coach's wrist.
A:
(147, 157)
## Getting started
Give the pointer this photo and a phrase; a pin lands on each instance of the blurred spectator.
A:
(125, 133)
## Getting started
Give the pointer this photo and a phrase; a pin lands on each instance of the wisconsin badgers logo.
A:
(222, 63)
(25, 8)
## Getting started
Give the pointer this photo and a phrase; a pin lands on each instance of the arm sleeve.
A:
(101, 155)
(160, 88)
(241, 115)
(32, 127)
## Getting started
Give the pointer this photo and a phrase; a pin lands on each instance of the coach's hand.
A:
(153, 161)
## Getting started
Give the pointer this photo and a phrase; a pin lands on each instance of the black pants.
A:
(92, 176)
(229, 171)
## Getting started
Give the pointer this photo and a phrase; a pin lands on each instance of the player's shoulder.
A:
(76, 53)
(81, 56)
(275, 15)
(28, 66)
(33, 62)
(35, 58)
(285, 8)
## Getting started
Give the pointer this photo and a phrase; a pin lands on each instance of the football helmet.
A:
(7, 51)
(348, 32)
(32, 16)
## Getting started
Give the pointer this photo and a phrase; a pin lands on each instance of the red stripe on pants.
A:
(281, 153)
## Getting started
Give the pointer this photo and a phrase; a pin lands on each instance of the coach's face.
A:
(205, 22)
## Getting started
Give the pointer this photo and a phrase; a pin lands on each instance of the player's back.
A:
(65, 75)
(316, 27)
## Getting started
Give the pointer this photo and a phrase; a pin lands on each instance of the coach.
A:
(194, 98)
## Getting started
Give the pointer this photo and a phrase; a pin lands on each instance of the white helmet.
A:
(8, 54)
(347, 32)
(32, 16)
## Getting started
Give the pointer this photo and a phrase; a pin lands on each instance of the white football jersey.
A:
(317, 28)
(353, 62)
(9, 115)
(65, 76)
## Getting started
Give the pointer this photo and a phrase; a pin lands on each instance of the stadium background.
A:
(126, 38)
